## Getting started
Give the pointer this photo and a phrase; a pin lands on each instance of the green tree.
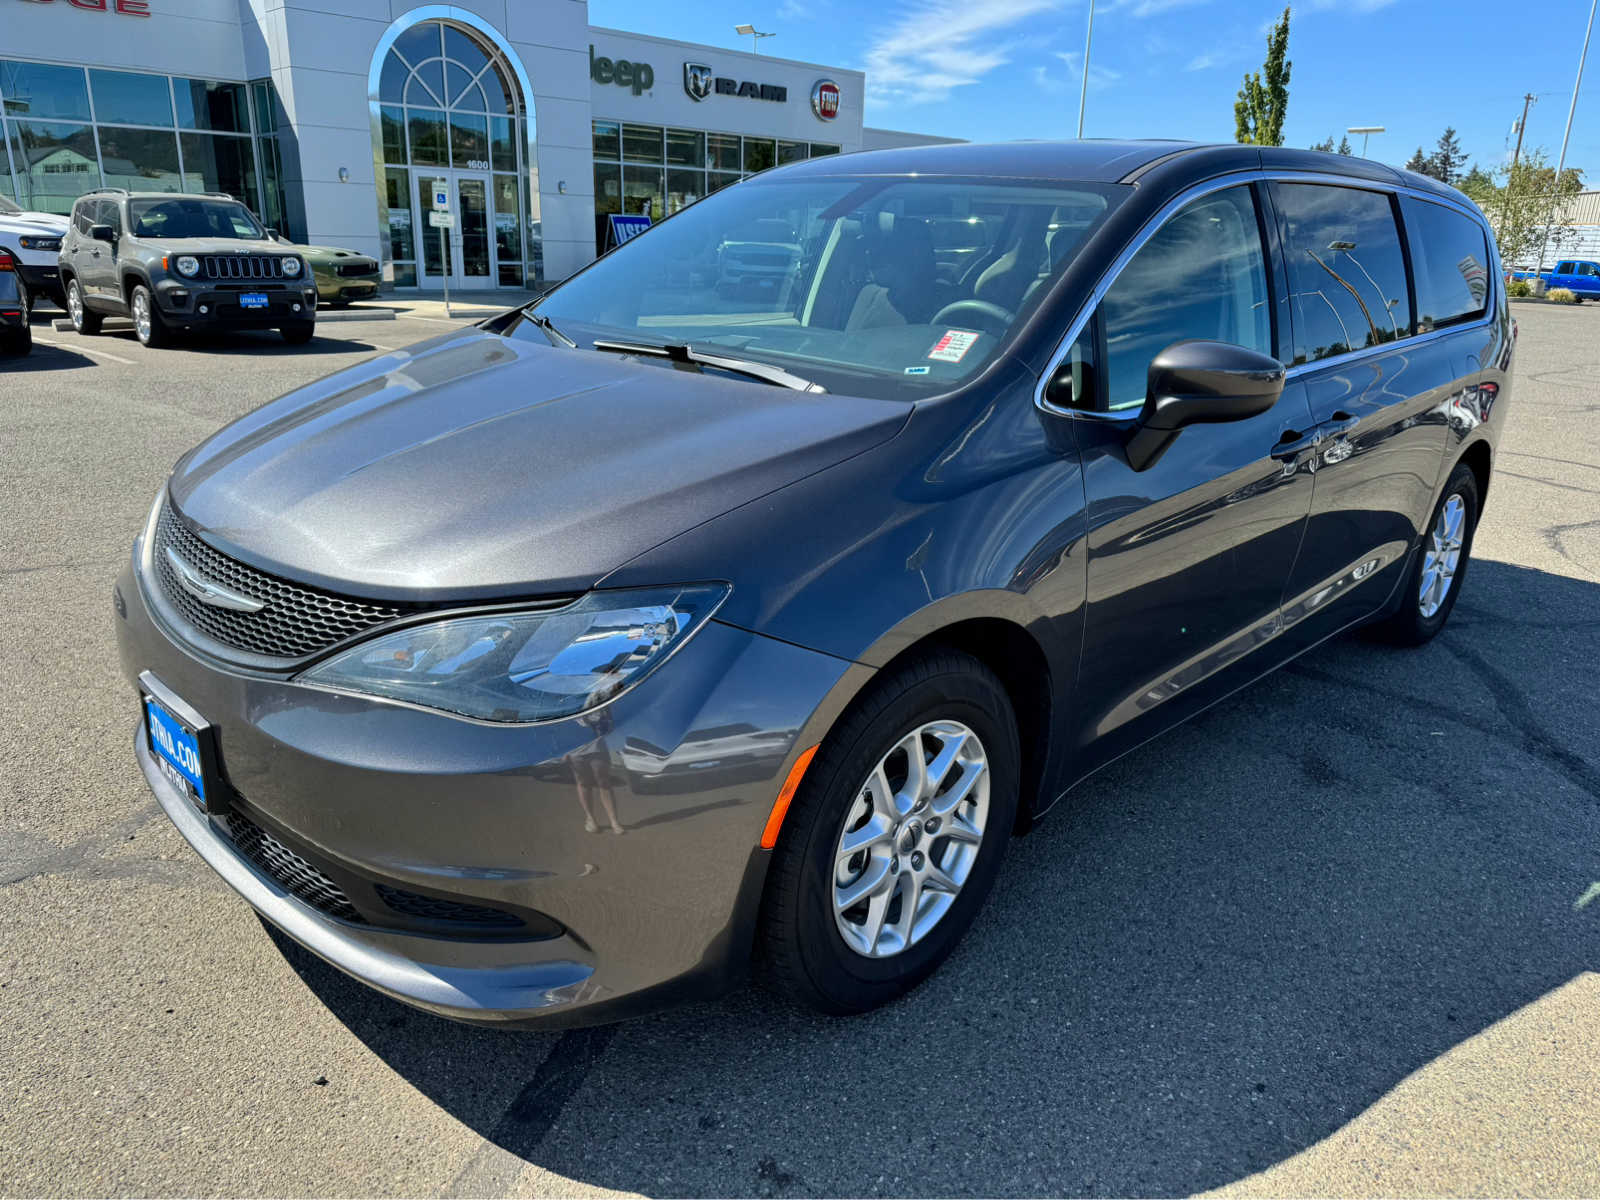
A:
(1478, 184)
(1264, 97)
(1521, 201)
(1447, 158)
(1418, 162)
(1325, 145)
(1344, 147)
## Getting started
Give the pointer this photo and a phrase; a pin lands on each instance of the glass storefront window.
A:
(463, 89)
(641, 143)
(643, 191)
(405, 274)
(141, 160)
(507, 229)
(502, 147)
(272, 211)
(686, 148)
(607, 140)
(266, 97)
(427, 84)
(498, 90)
(429, 142)
(789, 152)
(217, 163)
(420, 42)
(469, 141)
(397, 197)
(722, 151)
(203, 104)
(55, 164)
(684, 187)
(392, 83)
(39, 90)
(720, 179)
(820, 149)
(128, 99)
(432, 256)
(607, 188)
(759, 154)
(394, 133)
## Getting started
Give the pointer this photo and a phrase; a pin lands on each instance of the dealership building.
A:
(333, 119)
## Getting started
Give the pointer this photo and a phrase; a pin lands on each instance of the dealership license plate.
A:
(253, 300)
(177, 750)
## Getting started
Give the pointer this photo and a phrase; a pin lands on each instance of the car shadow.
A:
(254, 342)
(1211, 956)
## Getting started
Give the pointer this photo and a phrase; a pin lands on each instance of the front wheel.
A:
(299, 333)
(1441, 564)
(148, 326)
(894, 838)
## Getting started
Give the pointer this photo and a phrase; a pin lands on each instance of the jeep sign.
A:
(639, 76)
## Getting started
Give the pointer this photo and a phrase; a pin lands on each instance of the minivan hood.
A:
(474, 466)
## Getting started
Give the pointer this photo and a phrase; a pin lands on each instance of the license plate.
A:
(253, 300)
(182, 749)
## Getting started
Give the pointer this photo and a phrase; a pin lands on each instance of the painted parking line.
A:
(127, 362)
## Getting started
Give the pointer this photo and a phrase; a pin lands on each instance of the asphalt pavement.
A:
(1339, 935)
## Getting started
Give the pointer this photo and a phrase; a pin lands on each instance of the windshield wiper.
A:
(684, 353)
(550, 331)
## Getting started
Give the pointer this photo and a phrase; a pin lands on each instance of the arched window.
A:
(434, 65)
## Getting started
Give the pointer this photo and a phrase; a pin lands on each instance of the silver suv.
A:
(181, 262)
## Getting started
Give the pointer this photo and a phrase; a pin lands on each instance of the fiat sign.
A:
(825, 99)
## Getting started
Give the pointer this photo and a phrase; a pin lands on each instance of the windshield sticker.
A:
(953, 346)
(918, 370)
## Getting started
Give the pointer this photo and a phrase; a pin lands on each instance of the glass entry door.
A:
(474, 241)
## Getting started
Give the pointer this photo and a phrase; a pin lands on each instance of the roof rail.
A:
(213, 195)
(97, 191)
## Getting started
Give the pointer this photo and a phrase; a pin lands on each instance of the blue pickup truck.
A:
(1580, 275)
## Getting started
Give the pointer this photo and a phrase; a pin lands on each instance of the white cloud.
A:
(936, 46)
(797, 10)
(1149, 8)
(1201, 61)
(1098, 76)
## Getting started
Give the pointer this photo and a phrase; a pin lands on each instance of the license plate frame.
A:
(183, 745)
(253, 300)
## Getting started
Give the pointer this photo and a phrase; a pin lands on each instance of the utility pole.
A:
(1528, 99)
(1550, 213)
(1083, 88)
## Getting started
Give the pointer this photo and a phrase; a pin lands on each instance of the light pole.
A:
(755, 37)
(1365, 131)
(1083, 88)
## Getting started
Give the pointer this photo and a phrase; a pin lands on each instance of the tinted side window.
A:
(111, 214)
(1450, 259)
(1347, 273)
(1202, 275)
(80, 216)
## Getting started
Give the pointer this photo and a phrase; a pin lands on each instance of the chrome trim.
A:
(208, 592)
(1217, 184)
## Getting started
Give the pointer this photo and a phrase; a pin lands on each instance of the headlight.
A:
(291, 267)
(40, 243)
(188, 265)
(527, 666)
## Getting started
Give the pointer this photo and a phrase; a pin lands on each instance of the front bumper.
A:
(202, 304)
(518, 818)
(43, 281)
(338, 290)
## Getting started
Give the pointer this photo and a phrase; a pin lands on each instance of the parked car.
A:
(815, 606)
(33, 240)
(341, 275)
(16, 337)
(1580, 276)
(181, 263)
(761, 255)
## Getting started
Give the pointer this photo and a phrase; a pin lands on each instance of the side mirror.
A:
(103, 233)
(1200, 383)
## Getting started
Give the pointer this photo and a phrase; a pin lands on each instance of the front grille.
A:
(296, 622)
(431, 908)
(288, 870)
(242, 266)
(357, 269)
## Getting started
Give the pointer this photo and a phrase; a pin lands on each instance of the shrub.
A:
(1561, 296)
(1519, 287)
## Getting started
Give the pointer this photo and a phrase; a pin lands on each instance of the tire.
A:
(148, 326)
(1420, 617)
(299, 333)
(803, 951)
(83, 320)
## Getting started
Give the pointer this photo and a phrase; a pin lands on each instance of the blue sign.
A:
(625, 226)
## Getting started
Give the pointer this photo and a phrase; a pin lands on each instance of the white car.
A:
(33, 239)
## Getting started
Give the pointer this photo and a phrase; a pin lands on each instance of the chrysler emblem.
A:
(208, 592)
(697, 79)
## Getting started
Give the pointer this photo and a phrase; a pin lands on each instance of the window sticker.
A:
(953, 346)
(918, 370)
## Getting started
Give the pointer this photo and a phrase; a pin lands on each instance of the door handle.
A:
(1292, 443)
(1339, 424)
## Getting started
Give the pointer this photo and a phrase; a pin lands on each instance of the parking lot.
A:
(1289, 948)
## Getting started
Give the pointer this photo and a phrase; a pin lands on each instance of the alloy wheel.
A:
(75, 305)
(1442, 556)
(141, 315)
(910, 839)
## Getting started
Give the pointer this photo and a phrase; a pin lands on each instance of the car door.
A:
(1562, 275)
(1586, 280)
(1187, 559)
(99, 271)
(1379, 398)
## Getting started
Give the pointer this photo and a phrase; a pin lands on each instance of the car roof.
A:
(1097, 160)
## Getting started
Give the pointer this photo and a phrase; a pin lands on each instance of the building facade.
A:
(335, 119)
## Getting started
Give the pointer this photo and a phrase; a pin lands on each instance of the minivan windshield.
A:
(882, 286)
(189, 217)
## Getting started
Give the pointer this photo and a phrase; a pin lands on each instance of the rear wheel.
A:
(83, 321)
(894, 838)
(299, 333)
(148, 326)
(1441, 564)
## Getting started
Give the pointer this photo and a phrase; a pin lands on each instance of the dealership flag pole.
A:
(1083, 89)
(1555, 189)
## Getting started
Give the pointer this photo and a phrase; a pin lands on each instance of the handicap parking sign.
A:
(441, 196)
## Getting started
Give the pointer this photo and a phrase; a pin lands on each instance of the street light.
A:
(755, 36)
(1365, 131)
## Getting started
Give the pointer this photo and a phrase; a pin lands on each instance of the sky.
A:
(993, 70)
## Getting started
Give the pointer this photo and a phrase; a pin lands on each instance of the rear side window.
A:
(1347, 272)
(1450, 260)
(80, 216)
